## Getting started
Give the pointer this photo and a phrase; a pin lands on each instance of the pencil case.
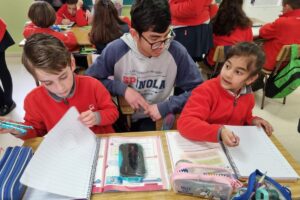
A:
(12, 165)
(204, 181)
(268, 189)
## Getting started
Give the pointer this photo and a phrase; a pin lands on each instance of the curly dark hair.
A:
(230, 15)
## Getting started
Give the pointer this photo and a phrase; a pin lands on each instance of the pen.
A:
(260, 181)
(64, 16)
(235, 140)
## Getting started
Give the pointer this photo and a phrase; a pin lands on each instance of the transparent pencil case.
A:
(204, 181)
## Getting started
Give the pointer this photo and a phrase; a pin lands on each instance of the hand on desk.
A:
(65, 21)
(229, 138)
(153, 112)
(264, 124)
(135, 99)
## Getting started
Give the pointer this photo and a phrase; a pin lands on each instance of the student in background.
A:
(48, 60)
(225, 100)
(42, 17)
(146, 64)
(230, 26)
(72, 11)
(190, 19)
(281, 32)
(213, 9)
(6, 89)
(119, 5)
(107, 25)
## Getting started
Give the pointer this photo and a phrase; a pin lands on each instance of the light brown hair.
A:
(42, 14)
(46, 52)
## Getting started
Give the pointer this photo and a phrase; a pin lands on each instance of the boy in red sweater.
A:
(46, 58)
(72, 11)
(282, 31)
(225, 100)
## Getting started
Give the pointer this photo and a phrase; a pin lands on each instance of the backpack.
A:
(287, 79)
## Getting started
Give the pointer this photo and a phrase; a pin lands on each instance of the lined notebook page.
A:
(63, 162)
(257, 151)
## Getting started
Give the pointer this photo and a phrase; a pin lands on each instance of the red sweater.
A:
(189, 12)
(2, 29)
(284, 30)
(42, 111)
(209, 107)
(68, 38)
(237, 35)
(79, 18)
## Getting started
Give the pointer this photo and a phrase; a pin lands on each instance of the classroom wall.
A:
(14, 12)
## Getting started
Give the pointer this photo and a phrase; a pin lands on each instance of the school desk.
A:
(170, 195)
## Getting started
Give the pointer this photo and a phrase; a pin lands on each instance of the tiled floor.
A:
(284, 118)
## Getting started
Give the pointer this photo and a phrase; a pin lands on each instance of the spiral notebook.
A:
(255, 151)
(71, 163)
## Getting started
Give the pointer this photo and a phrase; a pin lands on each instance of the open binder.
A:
(71, 162)
(255, 151)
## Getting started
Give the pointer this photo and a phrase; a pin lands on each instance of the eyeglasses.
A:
(156, 45)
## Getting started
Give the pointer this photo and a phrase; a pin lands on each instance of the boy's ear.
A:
(134, 34)
(251, 79)
(73, 64)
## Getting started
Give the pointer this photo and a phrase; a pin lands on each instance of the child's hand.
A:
(89, 16)
(229, 138)
(79, 4)
(135, 99)
(264, 124)
(153, 112)
(88, 118)
(9, 130)
(65, 21)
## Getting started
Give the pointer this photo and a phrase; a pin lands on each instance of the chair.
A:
(284, 55)
(218, 58)
(126, 110)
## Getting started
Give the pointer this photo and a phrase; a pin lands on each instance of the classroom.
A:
(284, 117)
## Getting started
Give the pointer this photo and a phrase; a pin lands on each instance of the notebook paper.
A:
(63, 162)
(257, 151)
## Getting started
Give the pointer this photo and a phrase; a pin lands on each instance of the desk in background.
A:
(170, 195)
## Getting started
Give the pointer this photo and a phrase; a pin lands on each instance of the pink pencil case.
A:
(204, 181)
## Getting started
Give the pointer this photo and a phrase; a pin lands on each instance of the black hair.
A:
(151, 15)
(295, 4)
(230, 16)
(253, 53)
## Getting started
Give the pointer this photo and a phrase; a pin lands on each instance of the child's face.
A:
(148, 42)
(235, 75)
(58, 84)
(72, 9)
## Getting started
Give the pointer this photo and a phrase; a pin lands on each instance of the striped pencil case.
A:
(12, 165)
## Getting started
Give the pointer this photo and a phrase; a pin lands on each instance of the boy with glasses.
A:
(145, 64)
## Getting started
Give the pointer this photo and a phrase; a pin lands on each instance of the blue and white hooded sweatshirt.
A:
(121, 65)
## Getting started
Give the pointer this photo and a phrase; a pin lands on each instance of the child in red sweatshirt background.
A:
(72, 11)
(42, 16)
(225, 100)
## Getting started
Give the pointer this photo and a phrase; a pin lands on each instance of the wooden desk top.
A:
(82, 35)
(170, 195)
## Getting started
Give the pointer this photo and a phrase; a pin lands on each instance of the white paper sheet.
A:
(63, 162)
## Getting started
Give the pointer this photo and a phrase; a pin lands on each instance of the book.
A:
(255, 151)
(71, 163)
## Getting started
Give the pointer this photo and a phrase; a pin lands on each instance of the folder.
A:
(71, 162)
(255, 151)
